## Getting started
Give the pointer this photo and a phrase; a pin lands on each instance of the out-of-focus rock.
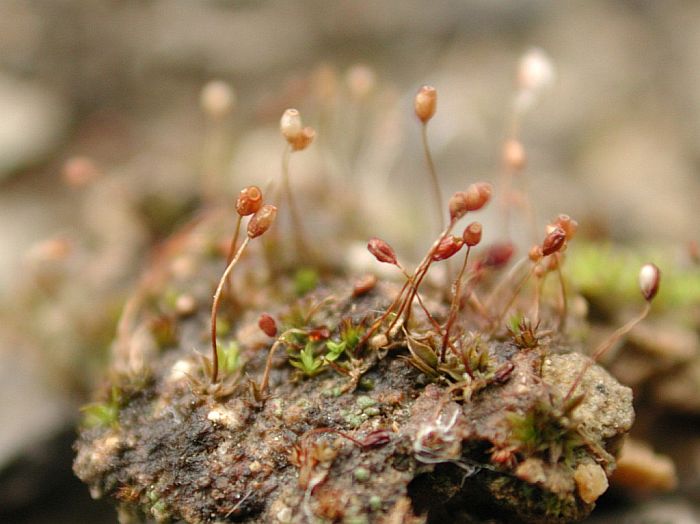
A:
(30, 410)
(681, 390)
(640, 469)
(654, 350)
(34, 120)
(672, 343)
(591, 482)
(673, 511)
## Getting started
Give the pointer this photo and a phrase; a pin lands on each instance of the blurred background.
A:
(107, 144)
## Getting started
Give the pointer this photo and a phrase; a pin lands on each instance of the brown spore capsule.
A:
(364, 285)
(457, 205)
(498, 255)
(382, 251)
(262, 220)
(425, 103)
(478, 195)
(303, 139)
(249, 201)
(568, 224)
(447, 247)
(472, 234)
(554, 241)
(267, 325)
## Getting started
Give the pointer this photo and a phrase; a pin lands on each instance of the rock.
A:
(667, 342)
(680, 389)
(34, 122)
(35, 411)
(591, 482)
(639, 469)
(667, 511)
(606, 409)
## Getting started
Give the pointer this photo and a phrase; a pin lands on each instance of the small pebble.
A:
(185, 305)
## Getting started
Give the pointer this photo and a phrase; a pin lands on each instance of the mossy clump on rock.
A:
(331, 395)
(388, 434)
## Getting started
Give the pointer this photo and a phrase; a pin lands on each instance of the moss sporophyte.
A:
(332, 394)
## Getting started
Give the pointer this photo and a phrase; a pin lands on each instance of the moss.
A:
(363, 401)
(372, 412)
(532, 504)
(204, 448)
(223, 327)
(229, 357)
(99, 414)
(335, 350)
(354, 420)
(164, 330)
(305, 280)
(361, 474)
(351, 334)
(307, 361)
(602, 272)
(366, 383)
(105, 413)
(546, 431)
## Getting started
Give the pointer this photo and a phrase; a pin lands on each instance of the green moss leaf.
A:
(229, 357)
(305, 280)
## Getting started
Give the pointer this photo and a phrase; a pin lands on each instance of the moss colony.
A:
(453, 396)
